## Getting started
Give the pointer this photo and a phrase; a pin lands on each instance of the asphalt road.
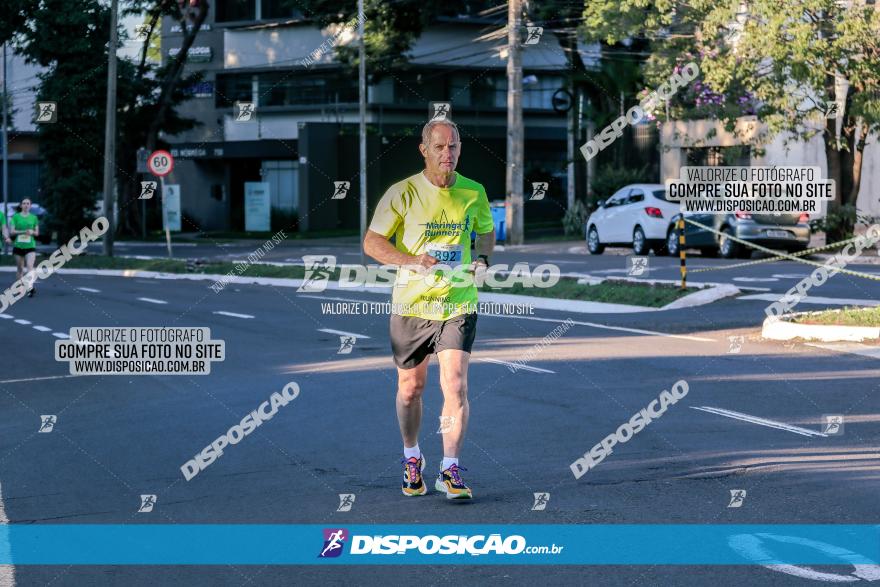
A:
(118, 437)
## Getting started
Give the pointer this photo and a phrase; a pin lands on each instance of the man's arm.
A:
(379, 248)
(484, 244)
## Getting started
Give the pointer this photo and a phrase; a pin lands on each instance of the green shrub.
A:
(575, 218)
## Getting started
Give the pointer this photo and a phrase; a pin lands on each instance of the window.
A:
(278, 89)
(232, 10)
(660, 195)
(280, 9)
(233, 88)
(617, 199)
(636, 196)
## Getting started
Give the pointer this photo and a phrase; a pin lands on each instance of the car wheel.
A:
(671, 246)
(593, 244)
(640, 243)
(726, 246)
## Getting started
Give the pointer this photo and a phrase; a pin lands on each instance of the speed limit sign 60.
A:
(160, 163)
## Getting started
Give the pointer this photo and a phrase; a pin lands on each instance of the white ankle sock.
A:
(409, 453)
(448, 462)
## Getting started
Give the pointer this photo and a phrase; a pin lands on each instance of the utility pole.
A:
(569, 147)
(5, 143)
(110, 131)
(514, 125)
(362, 98)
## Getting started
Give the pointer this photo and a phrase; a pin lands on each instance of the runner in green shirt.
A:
(23, 229)
(431, 216)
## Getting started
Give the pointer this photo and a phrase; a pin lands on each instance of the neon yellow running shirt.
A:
(425, 218)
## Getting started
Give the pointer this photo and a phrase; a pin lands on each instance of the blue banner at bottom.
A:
(483, 544)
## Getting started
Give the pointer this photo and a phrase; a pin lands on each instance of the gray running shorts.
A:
(413, 338)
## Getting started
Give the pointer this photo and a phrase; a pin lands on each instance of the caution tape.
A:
(780, 255)
(803, 253)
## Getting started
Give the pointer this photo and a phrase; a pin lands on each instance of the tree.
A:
(779, 60)
(69, 38)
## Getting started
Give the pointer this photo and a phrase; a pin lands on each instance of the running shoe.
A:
(413, 484)
(450, 483)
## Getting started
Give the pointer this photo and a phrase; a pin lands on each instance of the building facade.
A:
(302, 135)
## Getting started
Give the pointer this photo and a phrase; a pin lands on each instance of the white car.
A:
(637, 215)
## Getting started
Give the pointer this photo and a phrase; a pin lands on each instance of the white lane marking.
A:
(755, 279)
(751, 547)
(592, 324)
(515, 366)
(39, 378)
(60, 335)
(789, 276)
(233, 314)
(20, 321)
(152, 301)
(89, 289)
(606, 327)
(342, 333)
(853, 348)
(760, 421)
(813, 300)
(42, 328)
(6, 316)
(7, 572)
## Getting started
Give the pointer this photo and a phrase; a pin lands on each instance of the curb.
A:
(782, 329)
(698, 298)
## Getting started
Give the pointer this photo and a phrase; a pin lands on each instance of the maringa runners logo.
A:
(445, 227)
(334, 540)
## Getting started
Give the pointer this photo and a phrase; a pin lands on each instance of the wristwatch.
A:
(484, 259)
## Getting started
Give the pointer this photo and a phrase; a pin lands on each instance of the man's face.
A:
(441, 155)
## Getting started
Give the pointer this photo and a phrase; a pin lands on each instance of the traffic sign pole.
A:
(161, 163)
(165, 216)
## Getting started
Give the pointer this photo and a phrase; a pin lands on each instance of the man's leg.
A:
(453, 382)
(410, 385)
(453, 420)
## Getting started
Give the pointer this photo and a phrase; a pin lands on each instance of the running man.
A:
(431, 216)
(23, 229)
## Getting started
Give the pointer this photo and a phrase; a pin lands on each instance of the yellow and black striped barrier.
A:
(681, 255)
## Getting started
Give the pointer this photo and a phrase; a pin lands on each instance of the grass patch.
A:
(844, 317)
(611, 292)
(614, 292)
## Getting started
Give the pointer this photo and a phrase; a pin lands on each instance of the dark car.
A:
(787, 232)
(42, 215)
